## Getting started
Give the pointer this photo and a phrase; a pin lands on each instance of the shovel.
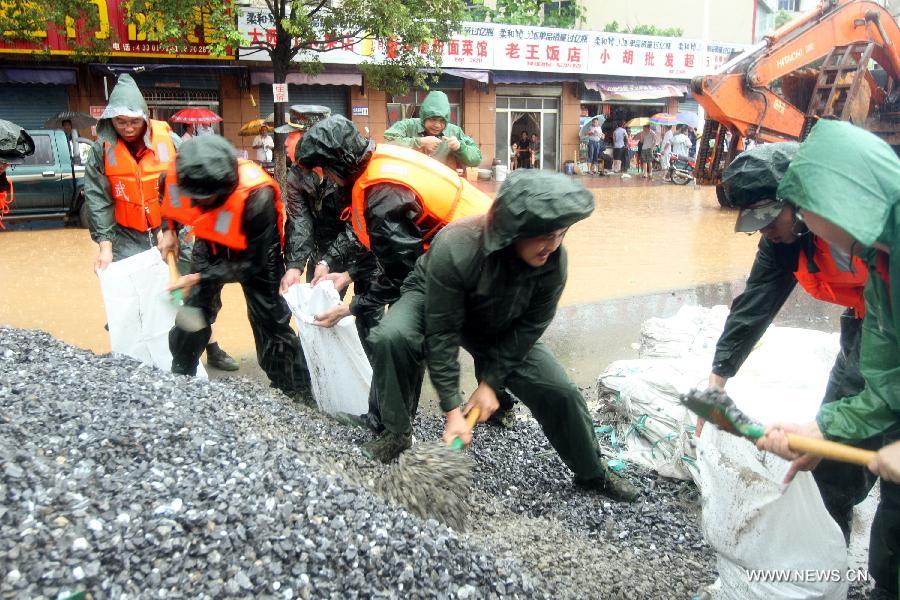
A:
(718, 408)
(188, 318)
(433, 480)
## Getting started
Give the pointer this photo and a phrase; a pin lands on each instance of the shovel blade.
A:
(190, 319)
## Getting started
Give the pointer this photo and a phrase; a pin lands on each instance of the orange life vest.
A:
(134, 185)
(6, 199)
(290, 144)
(832, 276)
(222, 225)
(443, 194)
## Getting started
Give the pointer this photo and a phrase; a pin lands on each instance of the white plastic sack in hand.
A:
(340, 372)
(139, 312)
(750, 519)
(756, 526)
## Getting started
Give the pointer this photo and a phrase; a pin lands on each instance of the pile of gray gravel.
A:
(120, 480)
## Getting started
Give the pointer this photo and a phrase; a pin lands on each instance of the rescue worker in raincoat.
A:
(235, 212)
(315, 207)
(490, 284)
(399, 199)
(121, 185)
(433, 134)
(787, 254)
(855, 206)
(15, 145)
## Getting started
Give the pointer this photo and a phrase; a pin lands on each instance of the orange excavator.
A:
(818, 66)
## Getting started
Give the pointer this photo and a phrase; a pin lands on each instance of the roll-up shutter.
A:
(688, 105)
(332, 96)
(29, 106)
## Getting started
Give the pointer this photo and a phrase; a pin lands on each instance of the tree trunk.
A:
(280, 64)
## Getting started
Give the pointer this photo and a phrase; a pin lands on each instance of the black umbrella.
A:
(79, 120)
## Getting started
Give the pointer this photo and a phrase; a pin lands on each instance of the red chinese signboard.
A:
(124, 38)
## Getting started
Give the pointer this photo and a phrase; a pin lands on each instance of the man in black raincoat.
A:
(788, 252)
(397, 238)
(490, 284)
(209, 181)
(15, 145)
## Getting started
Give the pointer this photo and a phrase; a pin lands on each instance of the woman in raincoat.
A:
(854, 204)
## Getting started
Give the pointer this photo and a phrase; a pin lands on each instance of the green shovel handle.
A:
(471, 419)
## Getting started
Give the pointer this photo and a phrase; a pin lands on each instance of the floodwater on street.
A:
(647, 249)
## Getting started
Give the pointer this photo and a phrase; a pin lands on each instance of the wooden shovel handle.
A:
(173, 267)
(472, 418)
(830, 450)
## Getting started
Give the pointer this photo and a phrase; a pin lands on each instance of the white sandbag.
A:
(338, 366)
(661, 431)
(139, 312)
(693, 330)
(760, 529)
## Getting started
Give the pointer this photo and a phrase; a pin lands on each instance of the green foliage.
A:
(783, 17)
(529, 12)
(27, 21)
(653, 30)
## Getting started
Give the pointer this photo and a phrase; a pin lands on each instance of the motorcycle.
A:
(681, 170)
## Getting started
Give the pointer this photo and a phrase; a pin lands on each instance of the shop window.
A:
(789, 5)
(406, 106)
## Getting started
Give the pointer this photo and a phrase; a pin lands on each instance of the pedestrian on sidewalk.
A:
(620, 150)
(648, 140)
(234, 210)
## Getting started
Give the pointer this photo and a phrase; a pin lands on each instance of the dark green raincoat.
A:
(124, 100)
(472, 291)
(408, 132)
(860, 193)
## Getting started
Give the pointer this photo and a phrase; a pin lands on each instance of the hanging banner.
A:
(257, 25)
(518, 48)
(645, 56)
(123, 36)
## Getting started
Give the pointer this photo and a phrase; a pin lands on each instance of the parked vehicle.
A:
(49, 184)
(681, 170)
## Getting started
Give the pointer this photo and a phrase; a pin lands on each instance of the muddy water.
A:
(642, 239)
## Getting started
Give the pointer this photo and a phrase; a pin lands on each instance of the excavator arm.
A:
(743, 99)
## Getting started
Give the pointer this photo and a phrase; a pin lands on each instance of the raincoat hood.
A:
(15, 143)
(125, 100)
(206, 166)
(335, 144)
(859, 192)
(755, 174)
(435, 104)
(533, 203)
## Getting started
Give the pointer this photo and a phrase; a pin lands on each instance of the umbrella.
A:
(79, 120)
(689, 119)
(251, 128)
(664, 119)
(584, 128)
(195, 116)
(270, 118)
(637, 122)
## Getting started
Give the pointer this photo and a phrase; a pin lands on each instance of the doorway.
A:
(538, 116)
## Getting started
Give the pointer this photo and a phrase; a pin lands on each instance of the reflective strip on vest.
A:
(841, 260)
(223, 222)
(174, 194)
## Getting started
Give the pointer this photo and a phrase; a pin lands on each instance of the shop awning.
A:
(48, 76)
(257, 77)
(526, 77)
(610, 91)
(473, 74)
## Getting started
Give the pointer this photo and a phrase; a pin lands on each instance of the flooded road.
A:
(646, 250)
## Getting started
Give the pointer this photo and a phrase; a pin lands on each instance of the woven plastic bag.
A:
(338, 366)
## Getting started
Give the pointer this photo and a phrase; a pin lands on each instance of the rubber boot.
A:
(219, 359)
(387, 446)
(611, 484)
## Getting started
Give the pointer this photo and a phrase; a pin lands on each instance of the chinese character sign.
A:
(644, 56)
(124, 36)
(279, 92)
(519, 48)
(257, 25)
(471, 48)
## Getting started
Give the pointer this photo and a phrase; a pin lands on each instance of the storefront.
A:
(32, 95)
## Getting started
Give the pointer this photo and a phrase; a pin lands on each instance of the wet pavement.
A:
(648, 249)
